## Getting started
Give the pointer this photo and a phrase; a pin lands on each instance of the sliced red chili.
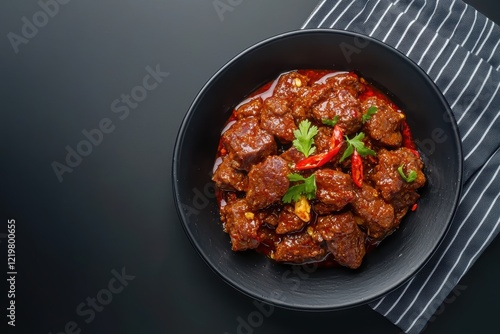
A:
(357, 169)
(414, 207)
(313, 161)
(408, 138)
(337, 138)
(319, 160)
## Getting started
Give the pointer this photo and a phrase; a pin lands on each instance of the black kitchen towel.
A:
(459, 49)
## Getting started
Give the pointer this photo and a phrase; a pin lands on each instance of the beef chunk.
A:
(341, 86)
(288, 221)
(344, 105)
(277, 119)
(385, 125)
(377, 215)
(242, 225)
(343, 237)
(250, 108)
(331, 225)
(334, 188)
(298, 248)
(323, 139)
(247, 143)
(292, 155)
(307, 98)
(346, 81)
(228, 178)
(324, 209)
(399, 193)
(269, 216)
(290, 84)
(387, 180)
(267, 182)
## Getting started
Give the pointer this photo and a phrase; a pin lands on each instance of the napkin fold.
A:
(459, 49)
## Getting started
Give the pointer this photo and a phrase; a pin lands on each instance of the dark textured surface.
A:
(115, 209)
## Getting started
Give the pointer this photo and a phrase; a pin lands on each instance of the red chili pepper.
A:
(337, 138)
(314, 161)
(357, 169)
(408, 138)
(414, 207)
(319, 160)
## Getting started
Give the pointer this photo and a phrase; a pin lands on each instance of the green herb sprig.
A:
(356, 143)
(304, 137)
(307, 188)
(412, 175)
(330, 122)
(368, 114)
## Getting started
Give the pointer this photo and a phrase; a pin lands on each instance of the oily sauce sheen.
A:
(362, 171)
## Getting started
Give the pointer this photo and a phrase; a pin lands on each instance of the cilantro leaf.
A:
(330, 122)
(347, 153)
(368, 114)
(294, 177)
(304, 137)
(412, 176)
(307, 188)
(356, 143)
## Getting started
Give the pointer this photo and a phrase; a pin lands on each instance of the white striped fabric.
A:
(459, 48)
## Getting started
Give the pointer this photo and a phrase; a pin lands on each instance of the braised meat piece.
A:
(343, 105)
(269, 216)
(307, 98)
(323, 139)
(242, 225)
(377, 215)
(385, 125)
(250, 108)
(334, 188)
(277, 119)
(292, 155)
(288, 221)
(393, 188)
(298, 248)
(228, 178)
(267, 182)
(387, 178)
(343, 237)
(347, 81)
(247, 143)
(289, 84)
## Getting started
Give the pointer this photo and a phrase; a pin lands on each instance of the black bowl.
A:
(400, 255)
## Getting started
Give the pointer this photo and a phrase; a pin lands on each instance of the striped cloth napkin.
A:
(459, 49)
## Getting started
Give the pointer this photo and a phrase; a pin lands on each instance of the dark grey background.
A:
(115, 211)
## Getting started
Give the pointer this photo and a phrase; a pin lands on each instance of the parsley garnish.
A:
(412, 176)
(356, 143)
(307, 188)
(330, 122)
(304, 137)
(369, 113)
